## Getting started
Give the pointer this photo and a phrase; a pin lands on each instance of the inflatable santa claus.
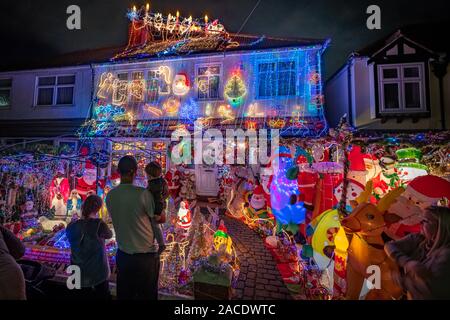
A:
(421, 193)
(307, 179)
(87, 184)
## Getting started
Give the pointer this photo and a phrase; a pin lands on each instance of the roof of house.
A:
(246, 43)
(432, 36)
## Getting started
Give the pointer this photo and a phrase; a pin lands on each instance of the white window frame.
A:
(10, 93)
(400, 81)
(295, 60)
(220, 89)
(55, 90)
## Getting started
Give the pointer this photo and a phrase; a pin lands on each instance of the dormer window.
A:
(401, 88)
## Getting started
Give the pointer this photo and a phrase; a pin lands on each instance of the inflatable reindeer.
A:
(365, 226)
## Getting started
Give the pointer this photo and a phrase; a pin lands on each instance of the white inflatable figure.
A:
(354, 189)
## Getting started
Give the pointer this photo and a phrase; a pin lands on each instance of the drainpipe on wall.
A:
(349, 91)
(440, 70)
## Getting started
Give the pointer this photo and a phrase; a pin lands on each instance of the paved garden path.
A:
(259, 277)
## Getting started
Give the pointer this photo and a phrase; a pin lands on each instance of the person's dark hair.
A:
(91, 205)
(127, 165)
(442, 239)
(153, 169)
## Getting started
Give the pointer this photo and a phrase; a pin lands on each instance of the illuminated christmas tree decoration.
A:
(180, 86)
(235, 90)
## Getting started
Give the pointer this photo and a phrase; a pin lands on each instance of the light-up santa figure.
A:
(59, 194)
(88, 182)
(184, 215)
(421, 193)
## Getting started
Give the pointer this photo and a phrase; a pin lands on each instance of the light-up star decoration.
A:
(284, 193)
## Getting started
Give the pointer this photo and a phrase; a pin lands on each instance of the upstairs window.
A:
(55, 90)
(208, 82)
(158, 84)
(277, 79)
(401, 88)
(5, 93)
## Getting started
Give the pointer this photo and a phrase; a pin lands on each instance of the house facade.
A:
(130, 99)
(398, 83)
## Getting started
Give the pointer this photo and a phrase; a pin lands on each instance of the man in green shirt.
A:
(131, 208)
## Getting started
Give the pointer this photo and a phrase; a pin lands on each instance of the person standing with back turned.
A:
(130, 208)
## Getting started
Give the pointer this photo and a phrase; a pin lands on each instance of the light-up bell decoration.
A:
(184, 215)
(221, 238)
(180, 85)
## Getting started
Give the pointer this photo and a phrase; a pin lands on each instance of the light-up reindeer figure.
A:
(365, 226)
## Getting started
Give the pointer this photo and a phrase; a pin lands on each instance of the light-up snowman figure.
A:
(284, 193)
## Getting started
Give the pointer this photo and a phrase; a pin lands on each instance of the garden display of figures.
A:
(59, 194)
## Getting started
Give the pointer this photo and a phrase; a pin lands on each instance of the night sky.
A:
(31, 29)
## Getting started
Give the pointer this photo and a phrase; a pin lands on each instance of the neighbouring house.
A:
(400, 82)
(171, 74)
